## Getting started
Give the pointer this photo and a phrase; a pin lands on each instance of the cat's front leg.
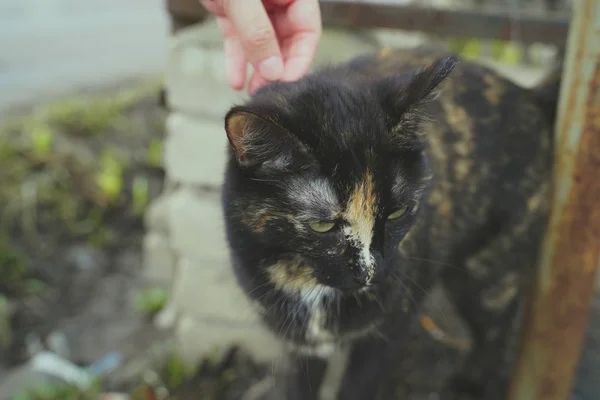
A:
(299, 378)
(368, 365)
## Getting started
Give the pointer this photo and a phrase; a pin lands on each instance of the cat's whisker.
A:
(381, 335)
(298, 306)
(378, 301)
(287, 316)
(444, 264)
(358, 300)
(259, 287)
(439, 308)
(406, 288)
(252, 303)
(265, 180)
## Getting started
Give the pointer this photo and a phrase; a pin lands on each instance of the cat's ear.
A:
(257, 140)
(399, 94)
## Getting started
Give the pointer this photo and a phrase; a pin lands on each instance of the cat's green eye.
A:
(321, 227)
(398, 213)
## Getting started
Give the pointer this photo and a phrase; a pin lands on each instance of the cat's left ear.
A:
(399, 95)
(257, 140)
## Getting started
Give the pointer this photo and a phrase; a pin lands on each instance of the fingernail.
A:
(271, 69)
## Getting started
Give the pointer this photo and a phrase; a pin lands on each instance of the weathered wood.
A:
(555, 327)
(476, 22)
(184, 13)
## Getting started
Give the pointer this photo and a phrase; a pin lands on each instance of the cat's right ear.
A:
(257, 140)
(400, 94)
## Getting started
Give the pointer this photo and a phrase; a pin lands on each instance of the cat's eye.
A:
(321, 226)
(398, 213)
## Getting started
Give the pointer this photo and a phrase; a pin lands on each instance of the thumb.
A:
(257, 36)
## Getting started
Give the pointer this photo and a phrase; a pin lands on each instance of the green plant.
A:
(152, 300)
(110, 178)
(42, 138)
(5, 324)
(13, 266)
(140, 195)
(175, 371)
(50, 391)
(155, 153)
(83, 116)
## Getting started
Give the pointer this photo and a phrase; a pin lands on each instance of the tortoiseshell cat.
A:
(343, 186)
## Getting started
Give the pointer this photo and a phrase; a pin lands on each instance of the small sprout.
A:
(512, 54)
(100, 238)
(110, 178)
(110, 184)
(456, 44)
(175, 371)
(155, 153)
(34, 286)
(51, 391)
(472, 49)
(140, 194)
(42, 139)
(151, 301)
(13, 268)
(5, 323)
(497, 48)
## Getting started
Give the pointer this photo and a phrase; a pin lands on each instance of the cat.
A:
(348, 194)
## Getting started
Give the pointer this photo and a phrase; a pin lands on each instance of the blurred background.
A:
(114, 273)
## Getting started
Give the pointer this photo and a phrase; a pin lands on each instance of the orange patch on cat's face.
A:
(360, 211)
(292, 276)
(360, 214)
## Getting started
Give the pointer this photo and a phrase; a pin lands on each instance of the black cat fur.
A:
(460, 153)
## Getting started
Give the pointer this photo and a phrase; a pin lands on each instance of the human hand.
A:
(278, 37)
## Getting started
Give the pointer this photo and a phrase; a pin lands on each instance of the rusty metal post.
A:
(555, 326)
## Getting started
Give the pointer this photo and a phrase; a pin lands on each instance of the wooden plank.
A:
(475, 22)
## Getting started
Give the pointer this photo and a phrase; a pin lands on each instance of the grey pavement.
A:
(52, 47)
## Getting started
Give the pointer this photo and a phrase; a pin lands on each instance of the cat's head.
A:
(330, 170)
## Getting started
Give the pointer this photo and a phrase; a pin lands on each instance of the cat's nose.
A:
(362, 277)
(367, 275)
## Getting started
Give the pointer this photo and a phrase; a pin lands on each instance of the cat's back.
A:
(479, 114)
(490, 140)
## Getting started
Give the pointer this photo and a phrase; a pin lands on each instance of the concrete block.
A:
(195, 73)
(195, 150)
(196, 225)
(155, 218)
(208, 289)
(197, 339)
(159, 259)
